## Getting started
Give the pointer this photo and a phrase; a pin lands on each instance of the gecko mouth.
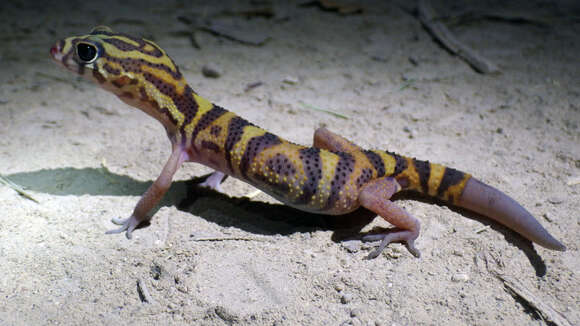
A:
(56, 53)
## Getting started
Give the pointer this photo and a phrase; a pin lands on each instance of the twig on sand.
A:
(144, 294)
(230, 239)
(429, 19)
(17, 188)
(232, 33)
(544, 310)
(336, 114)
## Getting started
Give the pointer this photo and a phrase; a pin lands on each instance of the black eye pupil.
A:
(86, 52)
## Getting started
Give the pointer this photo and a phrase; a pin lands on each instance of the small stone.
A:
(290, 80)
(460, 277)
(309, 252)
(556, 200)
(549, 217)
(393, 253)
(411, 133)
(211, 71)
(355, 312)
(458, 253)
(352, 245)
(574, 180)
(346, 298)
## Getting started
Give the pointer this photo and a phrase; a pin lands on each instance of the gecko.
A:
(334, 176)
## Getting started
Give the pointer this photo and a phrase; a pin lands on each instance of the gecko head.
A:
(83, 54)
(113, 60)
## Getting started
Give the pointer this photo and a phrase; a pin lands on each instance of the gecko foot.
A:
(214, 181)
(408, 237)
(128, 224)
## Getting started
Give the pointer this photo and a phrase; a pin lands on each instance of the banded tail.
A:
(463, 190)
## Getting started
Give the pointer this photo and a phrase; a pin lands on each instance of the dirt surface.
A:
(86, 157)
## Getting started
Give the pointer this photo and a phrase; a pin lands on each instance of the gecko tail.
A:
(490, 202)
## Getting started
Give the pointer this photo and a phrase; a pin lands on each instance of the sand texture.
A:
(222, 259)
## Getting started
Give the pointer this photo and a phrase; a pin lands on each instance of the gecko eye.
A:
(87, 52)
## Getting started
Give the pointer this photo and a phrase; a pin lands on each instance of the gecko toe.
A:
(408, 237)
(214, 181)
(127, 226)
(119, 221)
(412, 249)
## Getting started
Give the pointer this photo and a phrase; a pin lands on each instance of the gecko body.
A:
(334, 176)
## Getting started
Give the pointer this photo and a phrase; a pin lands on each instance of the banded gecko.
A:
(333, 176)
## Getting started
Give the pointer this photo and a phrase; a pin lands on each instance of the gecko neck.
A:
(177, 111)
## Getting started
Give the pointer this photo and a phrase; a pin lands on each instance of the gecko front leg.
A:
(153, 195)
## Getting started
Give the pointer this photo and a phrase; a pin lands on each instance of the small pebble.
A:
(380, 58)
(460, 277)
(310, 253)
(355, 312)
(573, 180)
(409, 131)
(394, 254)
(352, 245)
(211, 71)
(556, 200)
(346, 298)
(549, 217)
(290, 80)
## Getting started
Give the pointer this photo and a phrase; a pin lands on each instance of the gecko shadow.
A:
(252, 216)
(241, 212)
(510, 236)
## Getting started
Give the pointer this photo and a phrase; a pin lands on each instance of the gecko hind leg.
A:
(326, 139)
(375, 197)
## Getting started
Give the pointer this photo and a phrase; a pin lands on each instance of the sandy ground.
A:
(86, 158)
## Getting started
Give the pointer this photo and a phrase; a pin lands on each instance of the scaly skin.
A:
(334, 176)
